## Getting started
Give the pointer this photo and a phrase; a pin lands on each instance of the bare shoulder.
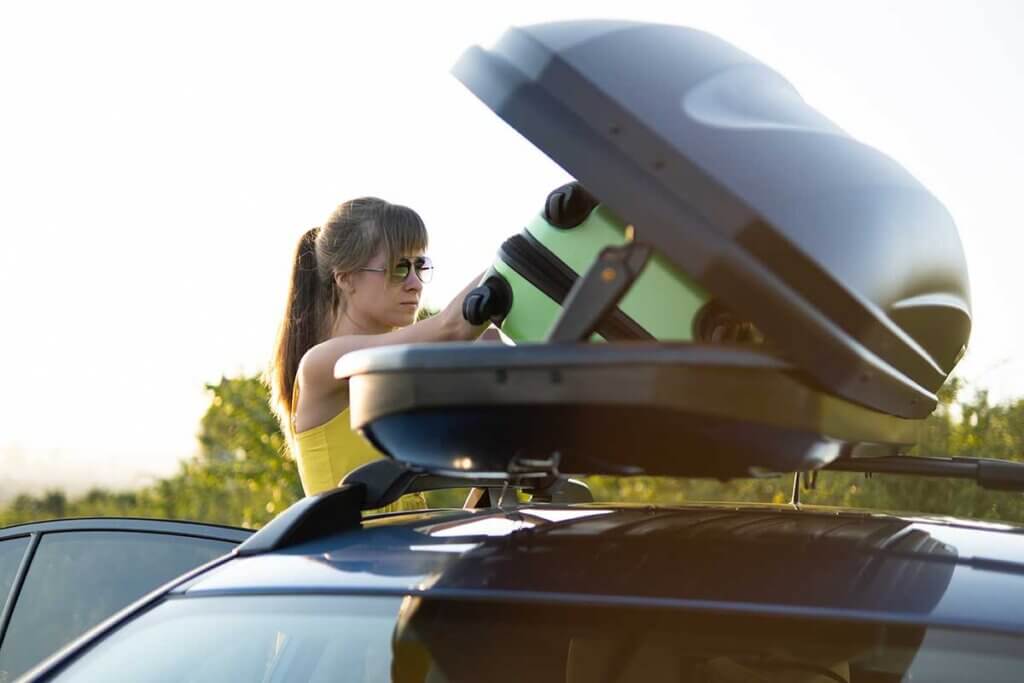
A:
(316, 367)
(320, 396)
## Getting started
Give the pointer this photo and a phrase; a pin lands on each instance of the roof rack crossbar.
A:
(386, 480)
(989, 473)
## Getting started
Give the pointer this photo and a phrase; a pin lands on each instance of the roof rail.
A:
(309, 518)
(382, 482)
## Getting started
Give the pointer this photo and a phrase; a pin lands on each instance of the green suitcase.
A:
(534, 272)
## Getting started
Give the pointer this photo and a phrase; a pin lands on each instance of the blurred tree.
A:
(243, 455)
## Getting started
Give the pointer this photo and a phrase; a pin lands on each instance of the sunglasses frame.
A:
(416, 265)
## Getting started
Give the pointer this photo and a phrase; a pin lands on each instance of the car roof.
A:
(774, 559)
(146, 524)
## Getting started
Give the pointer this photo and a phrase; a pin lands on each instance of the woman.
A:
(356, 283)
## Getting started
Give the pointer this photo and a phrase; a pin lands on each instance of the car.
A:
(579, 592)
(815, 335)
(61, 577)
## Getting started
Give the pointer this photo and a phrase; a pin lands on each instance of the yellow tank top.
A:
(326, 453)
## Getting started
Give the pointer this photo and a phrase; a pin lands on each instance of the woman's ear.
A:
(344, 282)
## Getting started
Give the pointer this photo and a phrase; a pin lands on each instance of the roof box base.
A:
(655, 409)
(620, 440)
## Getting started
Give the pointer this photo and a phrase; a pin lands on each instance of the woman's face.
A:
(377, 302)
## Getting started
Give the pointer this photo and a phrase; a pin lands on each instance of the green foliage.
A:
(243, 475)
(243, 469)
(426, 312)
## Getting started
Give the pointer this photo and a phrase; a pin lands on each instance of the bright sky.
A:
(158, 161)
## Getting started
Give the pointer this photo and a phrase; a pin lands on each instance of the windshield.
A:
(330, 638)
(265, 638)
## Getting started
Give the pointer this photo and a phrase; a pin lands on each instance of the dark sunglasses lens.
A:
(424, 269)
(401, 270)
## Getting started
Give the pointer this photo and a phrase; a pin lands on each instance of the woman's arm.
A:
(316, 369)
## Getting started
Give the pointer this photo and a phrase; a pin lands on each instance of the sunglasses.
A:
(421, 265)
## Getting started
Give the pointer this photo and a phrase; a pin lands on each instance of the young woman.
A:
(356, 283)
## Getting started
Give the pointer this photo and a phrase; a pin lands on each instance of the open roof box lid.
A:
(852, 270)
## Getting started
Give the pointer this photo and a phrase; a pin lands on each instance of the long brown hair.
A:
(354, 233)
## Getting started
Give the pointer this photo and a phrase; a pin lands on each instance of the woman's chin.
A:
(406, 317)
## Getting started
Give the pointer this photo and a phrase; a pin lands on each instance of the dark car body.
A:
(61, 577)
(772, 569)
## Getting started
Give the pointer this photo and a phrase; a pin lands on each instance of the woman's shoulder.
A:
(316, 367)
(315, 373)
(318, 396)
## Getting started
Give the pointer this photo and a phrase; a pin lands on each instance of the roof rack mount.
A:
(388, 480)
(382, 482)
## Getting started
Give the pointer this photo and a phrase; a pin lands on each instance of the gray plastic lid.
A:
(831, 248)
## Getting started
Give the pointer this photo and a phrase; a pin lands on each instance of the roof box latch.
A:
(599, 291)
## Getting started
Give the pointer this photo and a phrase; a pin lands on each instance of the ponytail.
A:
(302, 327)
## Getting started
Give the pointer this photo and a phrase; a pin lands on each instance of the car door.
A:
(60, 578)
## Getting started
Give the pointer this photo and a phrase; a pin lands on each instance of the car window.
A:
(328, 638)
(79, 578)
(11, 553)
(249, 638)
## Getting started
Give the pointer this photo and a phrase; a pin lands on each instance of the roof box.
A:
(840, 257)
(718, 173)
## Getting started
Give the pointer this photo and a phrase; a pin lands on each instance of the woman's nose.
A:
(412, 282)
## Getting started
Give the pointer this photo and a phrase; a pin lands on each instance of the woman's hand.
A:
(456, 327)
